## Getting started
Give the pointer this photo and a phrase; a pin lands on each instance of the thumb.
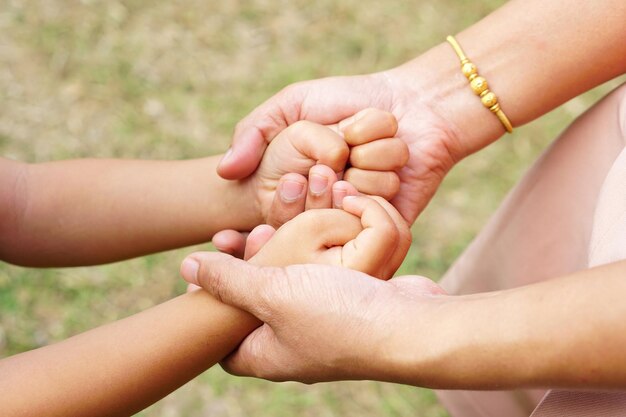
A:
(228, 279)
(244, 155)
(255, 131)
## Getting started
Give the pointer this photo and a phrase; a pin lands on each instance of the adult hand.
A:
(321, 323)
(418, 94)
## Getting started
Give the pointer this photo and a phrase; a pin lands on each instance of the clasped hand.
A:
(331, 321)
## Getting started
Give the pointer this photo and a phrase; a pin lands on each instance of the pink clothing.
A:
(568, 213)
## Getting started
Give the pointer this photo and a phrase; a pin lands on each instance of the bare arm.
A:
(535, 55)
(95, 211)
(121, 368)
(567, 332)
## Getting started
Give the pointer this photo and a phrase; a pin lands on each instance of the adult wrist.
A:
(434, 80)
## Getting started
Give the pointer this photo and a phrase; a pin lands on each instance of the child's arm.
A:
(95, 211)
(85, 212)
(120, 368)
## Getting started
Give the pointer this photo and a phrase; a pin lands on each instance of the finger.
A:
(373, 247)
(324, 101)
(380, 155)
(257, 238)
(319, 143)
(382, 183)
(289, 199)
(244, 155)
(255, 356)
(307, 238)
(192, 288)
(321, 181)
(342, 189)
(404, 236)
(231, 242)
(233, 281)
(329, 227)
(369, 125)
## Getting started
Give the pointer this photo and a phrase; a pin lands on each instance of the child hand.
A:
(368, 235)
(291, 177)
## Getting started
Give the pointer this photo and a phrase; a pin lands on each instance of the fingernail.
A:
(189, 270)
(291, 190)
(226, 156)
(338, 196)
(318, 183)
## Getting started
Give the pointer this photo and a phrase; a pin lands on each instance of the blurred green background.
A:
(169, 79)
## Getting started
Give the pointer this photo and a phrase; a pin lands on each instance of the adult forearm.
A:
(567, 332)
(535, 55)
(121, 368)
(94, 211)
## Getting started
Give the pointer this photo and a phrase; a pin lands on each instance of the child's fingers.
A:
(369, 125)
(289, 199)
(329, 227)
(257, 238)
(308, 237)
(231, 242)
(404, 235)
(380, 155)
(319, 143)
(321, 181)
(383, 183)
(342, 189)
(373, 247)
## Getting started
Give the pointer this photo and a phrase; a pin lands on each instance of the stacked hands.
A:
(323, 194)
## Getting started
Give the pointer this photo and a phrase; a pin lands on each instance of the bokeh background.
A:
(168, 80)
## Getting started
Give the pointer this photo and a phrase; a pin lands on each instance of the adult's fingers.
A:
(289, 199)
(232, 281)
(256, 356)
(380, 155)
(257, 238)
(325, 101)
(404, 235)
(231, 242)
(373, 247)
(382, 183)
(369, 125)
(321, 181)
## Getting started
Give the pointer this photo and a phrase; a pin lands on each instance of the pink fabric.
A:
(608, 244)
(568, 213)
(582, 404)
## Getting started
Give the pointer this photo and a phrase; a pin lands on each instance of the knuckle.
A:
(357, 154)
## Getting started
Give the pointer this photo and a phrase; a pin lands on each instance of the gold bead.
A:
(468, 69)
(489, 99)
(478, 84)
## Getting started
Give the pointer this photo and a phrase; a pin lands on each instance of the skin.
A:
(525, 50)
(128, 208)
(535, 55)
(325, 323)
(121, 368)
(119, 209)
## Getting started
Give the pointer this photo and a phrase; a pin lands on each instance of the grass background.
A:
(169, 79)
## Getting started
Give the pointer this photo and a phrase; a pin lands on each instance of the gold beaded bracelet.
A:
(479, 85)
